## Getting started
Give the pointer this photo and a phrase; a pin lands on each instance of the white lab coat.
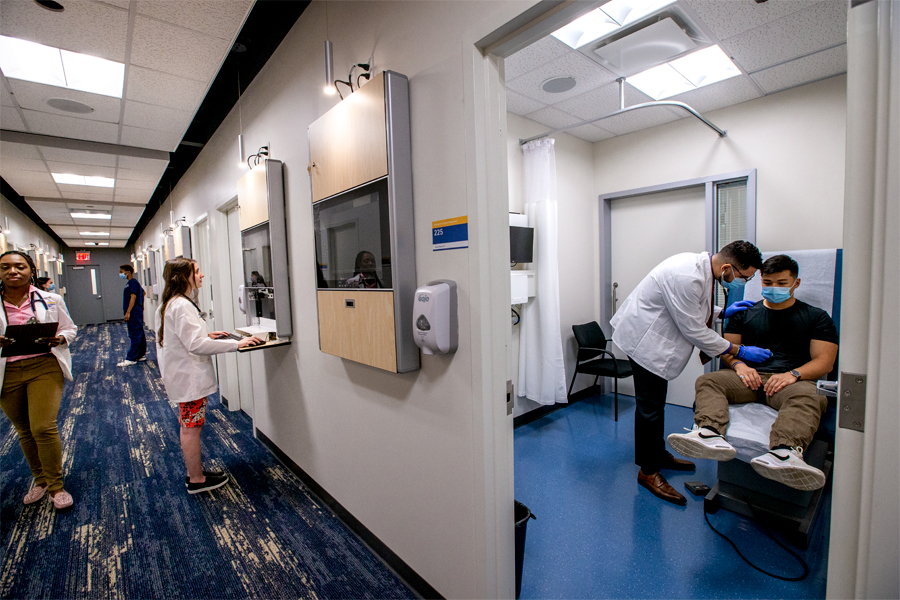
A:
(56, 312)
(185, 358)
(666, 316)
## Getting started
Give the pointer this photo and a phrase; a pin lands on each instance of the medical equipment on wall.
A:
(435, 317)
(265, 293)
(521, 250)
(361, 181)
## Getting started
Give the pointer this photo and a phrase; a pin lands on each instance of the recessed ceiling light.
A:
(72, 106)
(605, 20)
(69, 178)
(82, 215)
(690, 72)
(94, 233)
(90, 243)
(103, 243)
(21, 59)
(558, 85)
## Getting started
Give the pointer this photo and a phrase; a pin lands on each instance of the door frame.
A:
(710, 182)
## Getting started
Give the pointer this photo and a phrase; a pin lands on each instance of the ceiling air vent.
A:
(665, 35)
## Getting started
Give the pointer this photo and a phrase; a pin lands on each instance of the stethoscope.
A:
(33, 320)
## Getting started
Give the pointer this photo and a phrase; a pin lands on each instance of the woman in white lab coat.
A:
(184, 353)
(32, 385)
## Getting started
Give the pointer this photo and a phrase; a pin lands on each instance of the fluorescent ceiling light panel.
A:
(660, 82)
(706, 66)
(20, 59)
(77, 215)
(94, 233)
(693, 71)
(605, 20)
(71, 179)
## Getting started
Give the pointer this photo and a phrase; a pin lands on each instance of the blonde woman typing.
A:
(184, 353)
(32, 385)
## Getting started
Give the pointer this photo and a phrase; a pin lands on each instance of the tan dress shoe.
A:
(658, 486)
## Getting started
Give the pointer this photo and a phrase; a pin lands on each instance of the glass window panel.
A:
(353, 239)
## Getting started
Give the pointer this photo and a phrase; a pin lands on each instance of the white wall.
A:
(578, 241)
(405, 454)
(22, 231)
(795, 140)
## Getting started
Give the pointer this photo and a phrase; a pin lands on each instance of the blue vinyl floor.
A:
(598, 534)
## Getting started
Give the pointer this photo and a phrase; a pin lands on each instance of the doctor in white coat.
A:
(184, 353)
(669, 313)
(32, 385)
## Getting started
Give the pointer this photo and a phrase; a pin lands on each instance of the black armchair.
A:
(591, 345)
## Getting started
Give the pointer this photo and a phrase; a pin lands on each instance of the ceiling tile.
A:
(34, 96)
(118, 243)
(521, 105)
(212, 17)
(86, 27)
(148, 116)
(718, 95)
(164, 89)
(14, 163)
(727, 19)
(552, 117)
(120, 232)
(76, 169)
(588, 75)
(145, 138)
(32, 177)
(60, 126)
(128, 175)
(801, 33)
(803, 70)
(186, 53)
(69, 231)
(10, 119)
(135, 200)
(120, 3)
(636, 120)
(601, 101)
(79, 157)
(533, 56)
(591, 133)
(41, 190)
(150, 165)
(18, 150)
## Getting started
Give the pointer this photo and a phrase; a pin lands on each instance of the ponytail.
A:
(177, 276)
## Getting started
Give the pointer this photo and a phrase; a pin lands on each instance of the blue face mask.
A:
(52, 287)
(123, 275)
(776, 295)
(735, 284)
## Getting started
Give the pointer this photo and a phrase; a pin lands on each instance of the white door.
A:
(202, 256)
(235, 258)
(646, 230)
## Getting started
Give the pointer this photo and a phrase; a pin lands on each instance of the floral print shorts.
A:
(193, 414)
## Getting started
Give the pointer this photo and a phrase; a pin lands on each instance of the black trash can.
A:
(522, 515)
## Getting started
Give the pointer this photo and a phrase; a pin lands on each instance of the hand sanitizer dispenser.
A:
(435, 318)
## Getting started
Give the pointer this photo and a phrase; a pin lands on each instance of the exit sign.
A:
(82, 256)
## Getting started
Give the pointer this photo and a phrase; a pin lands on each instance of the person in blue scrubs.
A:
(133, 305)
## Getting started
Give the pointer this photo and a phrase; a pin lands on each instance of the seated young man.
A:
(804, 345)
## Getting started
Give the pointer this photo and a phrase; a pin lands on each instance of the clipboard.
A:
(25, 336)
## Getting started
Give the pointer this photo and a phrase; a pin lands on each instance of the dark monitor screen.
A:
(521, 244)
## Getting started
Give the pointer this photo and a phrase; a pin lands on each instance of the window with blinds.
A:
(731, 218)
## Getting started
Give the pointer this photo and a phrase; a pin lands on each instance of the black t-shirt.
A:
(787, 333)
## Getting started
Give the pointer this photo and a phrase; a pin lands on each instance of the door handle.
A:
(615, 298)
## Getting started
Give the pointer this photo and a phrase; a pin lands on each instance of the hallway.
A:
(134, 532)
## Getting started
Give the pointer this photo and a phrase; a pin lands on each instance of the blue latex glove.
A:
(737, 307)
(753, 354)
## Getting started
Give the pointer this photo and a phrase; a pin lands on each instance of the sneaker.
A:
(142, 359)
(187, 480)
(702, 443)
(34, 494)
(211, 483)
(62, 500)
(126, 363)
(786, 465)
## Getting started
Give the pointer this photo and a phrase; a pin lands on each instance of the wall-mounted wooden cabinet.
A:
(361, 180)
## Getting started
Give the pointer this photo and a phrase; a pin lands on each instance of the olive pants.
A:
(32, 392)
(799, 407)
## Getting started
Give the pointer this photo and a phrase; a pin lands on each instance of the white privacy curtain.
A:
(542, 375)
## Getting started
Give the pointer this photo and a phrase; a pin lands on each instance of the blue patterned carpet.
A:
(134, 532)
